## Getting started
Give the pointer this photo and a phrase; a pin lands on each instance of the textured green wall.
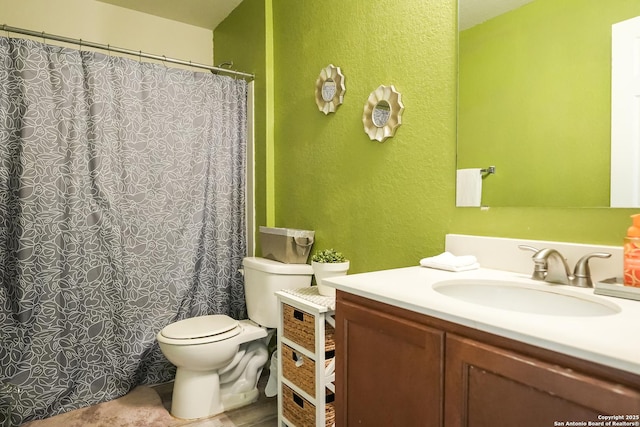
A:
(535, 91)
(382, 204)
(385, 205)
(245, 37)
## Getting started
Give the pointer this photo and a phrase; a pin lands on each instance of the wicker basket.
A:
(329, 339)
(301, 374)
(297, 409)
(300, 369)
(299, 327)
(330, 414)
(301, 412)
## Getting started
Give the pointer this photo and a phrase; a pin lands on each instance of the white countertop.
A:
(612, 340)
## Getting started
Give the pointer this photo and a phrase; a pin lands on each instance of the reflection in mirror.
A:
(535, 99)
(328, 90)
(625, 117)
(381, 113)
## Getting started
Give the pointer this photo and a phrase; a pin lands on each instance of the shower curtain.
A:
(122, 194)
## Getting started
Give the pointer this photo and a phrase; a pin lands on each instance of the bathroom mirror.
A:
(382, 113)
(330, 89)
(534, 99)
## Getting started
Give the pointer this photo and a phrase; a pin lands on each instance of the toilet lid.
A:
(200, 327)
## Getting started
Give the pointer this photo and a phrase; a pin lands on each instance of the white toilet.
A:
(219, 359)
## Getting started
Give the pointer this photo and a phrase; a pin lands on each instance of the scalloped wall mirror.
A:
(330, 89)
(382, 113)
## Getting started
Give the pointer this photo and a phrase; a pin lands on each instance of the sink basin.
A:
(526, 298)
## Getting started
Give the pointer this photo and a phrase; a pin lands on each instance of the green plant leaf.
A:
(328, 256)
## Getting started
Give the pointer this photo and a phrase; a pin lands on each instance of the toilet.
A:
(219, 359)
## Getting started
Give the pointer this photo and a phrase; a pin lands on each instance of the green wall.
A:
(534, 100)
(382, 204)
(245, 37)
(385, 204)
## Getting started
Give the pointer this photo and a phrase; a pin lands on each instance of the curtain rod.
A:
(125, 51)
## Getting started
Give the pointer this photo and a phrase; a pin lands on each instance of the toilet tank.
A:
(262, 278)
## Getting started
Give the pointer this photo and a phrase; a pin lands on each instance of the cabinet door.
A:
(488, 386)
(389, 370)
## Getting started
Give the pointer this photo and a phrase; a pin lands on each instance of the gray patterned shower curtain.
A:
(122, 193)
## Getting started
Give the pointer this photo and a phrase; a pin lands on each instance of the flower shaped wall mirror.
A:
(330, 89)
(382, 113)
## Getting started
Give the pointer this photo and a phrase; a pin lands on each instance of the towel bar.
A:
(490, 170)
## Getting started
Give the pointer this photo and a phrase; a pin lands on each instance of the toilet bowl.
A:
(219, 359)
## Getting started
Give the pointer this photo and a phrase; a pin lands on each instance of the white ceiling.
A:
(201, 13)
(473, 12)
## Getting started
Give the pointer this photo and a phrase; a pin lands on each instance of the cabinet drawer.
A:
(301, 412)
(299, 369)
(299, 326)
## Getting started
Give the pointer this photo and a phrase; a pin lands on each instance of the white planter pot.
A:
(323, 270)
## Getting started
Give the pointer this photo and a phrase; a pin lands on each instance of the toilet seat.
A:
(200, 330)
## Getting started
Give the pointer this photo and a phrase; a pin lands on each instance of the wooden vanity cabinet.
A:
(395, 367)
(389, 368)
(485, 384)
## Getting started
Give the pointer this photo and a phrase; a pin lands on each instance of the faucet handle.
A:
(528, 248)
(582, 272)
(540, 267)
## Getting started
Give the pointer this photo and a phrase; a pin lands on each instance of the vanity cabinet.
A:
(390, 369)
(399, 367)
(484, 384)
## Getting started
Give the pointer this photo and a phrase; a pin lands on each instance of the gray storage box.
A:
(286, 245)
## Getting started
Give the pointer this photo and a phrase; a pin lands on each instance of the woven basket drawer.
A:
(301, 412)
(301, 374)
(299, 327)
(329, 341)
(330, 414)
(297, 409)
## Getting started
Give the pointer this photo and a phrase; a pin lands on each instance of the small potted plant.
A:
(328, 263)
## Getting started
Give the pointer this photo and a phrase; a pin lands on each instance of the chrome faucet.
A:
(550, 266)
(557, 267)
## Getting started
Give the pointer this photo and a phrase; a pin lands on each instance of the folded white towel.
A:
(450, 262)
